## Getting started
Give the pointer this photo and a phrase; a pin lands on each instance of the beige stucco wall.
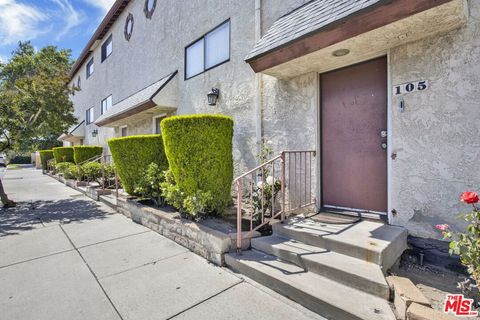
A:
(156, 49)
(437, 137)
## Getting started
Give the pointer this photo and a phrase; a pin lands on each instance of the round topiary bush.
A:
(199, 152)
(63, 154)
(84, 153)
(132, 155)
(45, 155)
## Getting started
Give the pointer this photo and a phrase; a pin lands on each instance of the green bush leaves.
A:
(84, 153)
(45, 155)
(133, 154)
(63, 154)
(199, 151)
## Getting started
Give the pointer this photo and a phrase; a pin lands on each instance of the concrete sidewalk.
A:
(64, 256)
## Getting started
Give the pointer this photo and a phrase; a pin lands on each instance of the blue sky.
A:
(63, 23)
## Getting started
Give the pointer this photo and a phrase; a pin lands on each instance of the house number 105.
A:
(410, 87)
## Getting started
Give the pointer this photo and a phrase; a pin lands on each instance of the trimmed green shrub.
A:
(199, 151)
(63, 154)
(51, 165)
(133, 154)
(149, 185)
(84, 153)
(45, 155)
(61, 167)
(71, 171)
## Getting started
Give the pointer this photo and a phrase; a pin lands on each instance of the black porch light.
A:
(94, 133)
(213, 96)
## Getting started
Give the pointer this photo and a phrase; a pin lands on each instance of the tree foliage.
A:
(34, 99)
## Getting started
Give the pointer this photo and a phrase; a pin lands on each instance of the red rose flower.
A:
(469, 197)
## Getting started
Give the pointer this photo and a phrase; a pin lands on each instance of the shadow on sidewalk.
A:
(30, 215)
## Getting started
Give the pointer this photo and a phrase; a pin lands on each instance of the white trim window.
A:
(90, 115)
(107, 48)
(106, 104)
(208, 52)
(90, 68)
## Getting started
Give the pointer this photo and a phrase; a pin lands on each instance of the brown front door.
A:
(353, 116)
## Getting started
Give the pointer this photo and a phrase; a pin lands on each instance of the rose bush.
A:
(467, 244)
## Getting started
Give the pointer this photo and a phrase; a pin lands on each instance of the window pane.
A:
(194, 63)
(217, 45)
(109, 102)
(109, 47)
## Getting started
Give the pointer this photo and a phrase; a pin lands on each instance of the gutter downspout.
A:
(258, 81)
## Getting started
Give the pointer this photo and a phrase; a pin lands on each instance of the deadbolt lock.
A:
(383, 133)
(384, 146)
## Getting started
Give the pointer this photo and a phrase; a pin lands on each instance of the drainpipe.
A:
(258, 80)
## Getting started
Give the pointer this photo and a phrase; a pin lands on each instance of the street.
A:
(64, 256)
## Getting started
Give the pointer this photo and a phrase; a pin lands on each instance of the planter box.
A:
(70, 183)
(210, 243)
(95, 193)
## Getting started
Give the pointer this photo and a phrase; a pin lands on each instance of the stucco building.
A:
(386, 92)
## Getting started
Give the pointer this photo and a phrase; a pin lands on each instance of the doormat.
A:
(334, 218)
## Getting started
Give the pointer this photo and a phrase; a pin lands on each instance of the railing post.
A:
(239, 217)
(103, 174)
(282, 164)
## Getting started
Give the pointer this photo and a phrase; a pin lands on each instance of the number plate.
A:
(410, 87)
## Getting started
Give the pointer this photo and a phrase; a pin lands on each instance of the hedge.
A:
(63, 154)
(199, 151)
(84, 153)
(131, 156)
(45, 155)
(18, 159)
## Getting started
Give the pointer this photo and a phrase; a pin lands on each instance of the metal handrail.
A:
(265, 194)
(92, 159)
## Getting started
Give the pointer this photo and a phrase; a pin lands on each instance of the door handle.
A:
(383, 133)
(384, 146)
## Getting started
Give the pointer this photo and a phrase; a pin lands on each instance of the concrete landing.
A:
(370, 241)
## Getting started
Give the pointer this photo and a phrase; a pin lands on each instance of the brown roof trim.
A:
(139, 107)
(144, 105)
(101, 31)
(364, 21)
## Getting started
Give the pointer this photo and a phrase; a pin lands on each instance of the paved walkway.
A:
(63, 256)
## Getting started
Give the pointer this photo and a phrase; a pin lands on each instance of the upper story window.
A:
(89, 68)
(149, 8)
(90, 115)
(129, 27)
(209, 51)
(79, 83)
(107, 48)
(106, 104)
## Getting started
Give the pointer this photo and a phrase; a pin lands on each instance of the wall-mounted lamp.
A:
(94, 133)
(213, 96)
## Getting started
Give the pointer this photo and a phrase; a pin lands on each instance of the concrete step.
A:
(353, 272)
(326, 297)
(369, 241)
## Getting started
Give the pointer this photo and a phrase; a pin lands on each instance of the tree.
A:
(34, 99)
